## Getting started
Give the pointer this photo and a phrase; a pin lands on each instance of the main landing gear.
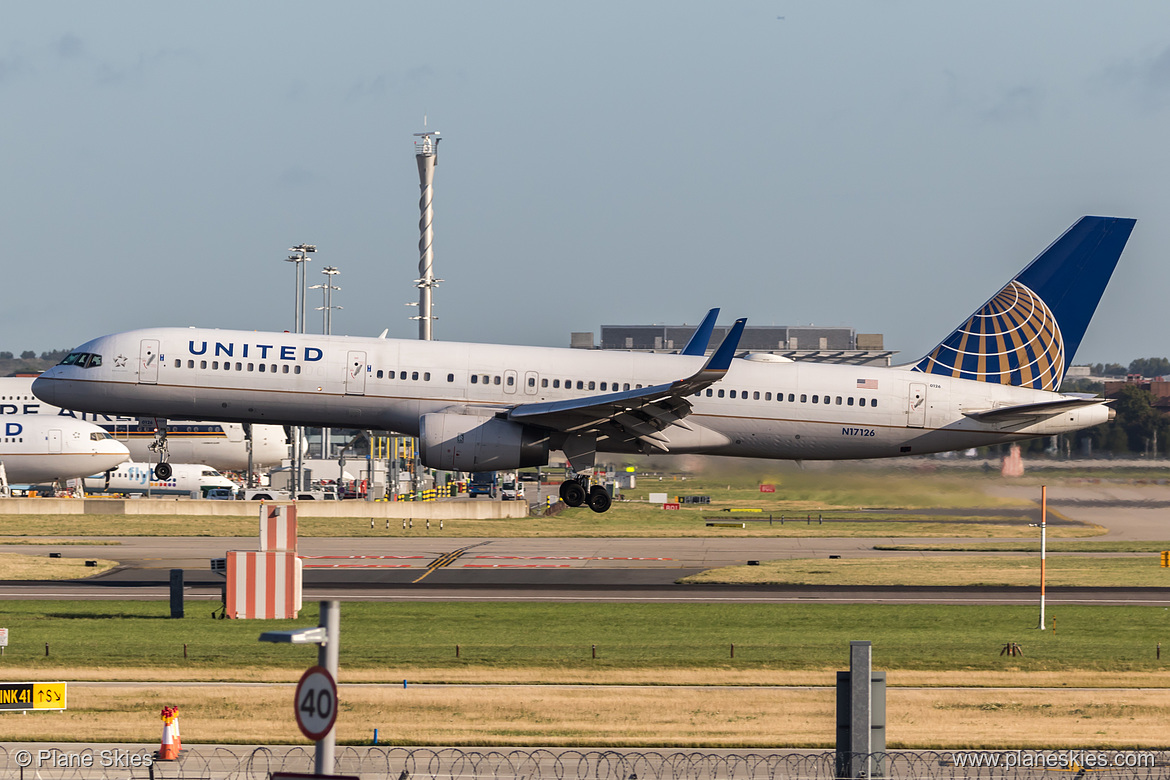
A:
(576, 491)
(162, 469)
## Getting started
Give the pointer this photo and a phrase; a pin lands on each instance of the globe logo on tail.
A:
(1012, 340)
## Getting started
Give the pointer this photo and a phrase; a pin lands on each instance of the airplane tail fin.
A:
(1027, 334)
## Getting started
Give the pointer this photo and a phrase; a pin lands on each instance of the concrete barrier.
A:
(179, 507)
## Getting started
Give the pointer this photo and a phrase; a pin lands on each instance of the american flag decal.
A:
(867, 384)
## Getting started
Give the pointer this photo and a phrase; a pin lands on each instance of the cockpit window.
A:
(81, 360)
(99, 436)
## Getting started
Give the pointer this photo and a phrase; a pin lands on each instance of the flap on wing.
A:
(655, 407)
(1035, 410)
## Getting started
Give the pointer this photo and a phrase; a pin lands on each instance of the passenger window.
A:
(756, 395)
(402, 375)
(450, 377)
(710, 392)
(239, 366)
(556, 383)
(580, 385)
(838, 400)
(426, 376)
(485, 379)
(592, 385)
(544, 383)
(720, 393)
(495, 380)
(849, 401)
(474, 378)
(767, 396)
(626, 386)
(380, 373)
(202, 364)
(791, 397)
(414, 375)
(532, 381)
(733, 394)
(178, 364)
(603, 386)
(285, 367)
(251, 366)
(190, 364)
(873, 402)
(804, 398)
(263, 368)
(816, 399)
(296, 369)
(828, 399)
(511, 380)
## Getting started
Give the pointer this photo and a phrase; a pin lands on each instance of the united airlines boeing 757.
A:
(485, 407)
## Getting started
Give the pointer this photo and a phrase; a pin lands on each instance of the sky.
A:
(885, 166)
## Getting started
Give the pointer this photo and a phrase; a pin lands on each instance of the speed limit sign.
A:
(316, 702)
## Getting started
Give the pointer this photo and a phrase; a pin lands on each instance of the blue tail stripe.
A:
(1029, 331)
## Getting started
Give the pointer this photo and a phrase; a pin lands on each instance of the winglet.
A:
(697, 345)
(721, 360)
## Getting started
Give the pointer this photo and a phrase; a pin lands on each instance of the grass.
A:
(1033, 547)
(996, 570)
(608, 717)
(38, 567)
(542, 643)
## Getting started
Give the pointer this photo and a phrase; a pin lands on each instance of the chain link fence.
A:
(373, 763)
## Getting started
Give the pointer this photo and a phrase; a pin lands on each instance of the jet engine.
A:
(468, 442)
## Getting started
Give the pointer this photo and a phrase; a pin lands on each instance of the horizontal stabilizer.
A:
(1036, 410)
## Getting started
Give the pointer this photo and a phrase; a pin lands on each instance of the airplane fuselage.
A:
(758, 409)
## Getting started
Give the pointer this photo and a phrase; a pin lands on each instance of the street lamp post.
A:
(327, 287)
(1043, 525)
(299, 257)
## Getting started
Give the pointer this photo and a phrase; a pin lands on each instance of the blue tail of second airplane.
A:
(1028, 333)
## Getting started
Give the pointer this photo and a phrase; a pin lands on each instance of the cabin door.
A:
(916, 410)
(54, 440)
(148, 362)
(355, 374)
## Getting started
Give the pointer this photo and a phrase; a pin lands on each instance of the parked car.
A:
(512, 491)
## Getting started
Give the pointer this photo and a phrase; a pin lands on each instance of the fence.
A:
(246, 763)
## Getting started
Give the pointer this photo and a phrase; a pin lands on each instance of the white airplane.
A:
(220, 445)
(185, 479)
(50, 449)
(484, 407)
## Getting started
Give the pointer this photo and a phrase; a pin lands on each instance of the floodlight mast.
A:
(426, 155)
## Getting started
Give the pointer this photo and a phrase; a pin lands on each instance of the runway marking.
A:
(515, 566)
(446, 560)
(362, 557)
(570, 558)
(356, 566)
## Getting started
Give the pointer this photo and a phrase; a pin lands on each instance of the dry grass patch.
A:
(14, 566)
(621, 717)
(1002, 570)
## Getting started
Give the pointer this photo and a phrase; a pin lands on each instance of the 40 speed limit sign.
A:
(316, 702)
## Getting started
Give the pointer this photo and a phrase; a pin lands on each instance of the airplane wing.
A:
(1035, 411)
(641, 414)
(697, 346)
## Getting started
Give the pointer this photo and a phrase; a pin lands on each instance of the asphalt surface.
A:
(418, 568)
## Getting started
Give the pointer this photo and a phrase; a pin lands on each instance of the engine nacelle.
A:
(466, 442)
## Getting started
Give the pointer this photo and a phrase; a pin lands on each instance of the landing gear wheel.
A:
(599, 500)
(163, 471)
(572, 493)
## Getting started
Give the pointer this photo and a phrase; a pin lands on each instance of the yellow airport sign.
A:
(32, 696)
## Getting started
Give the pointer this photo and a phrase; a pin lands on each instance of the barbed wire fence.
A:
(199, 762)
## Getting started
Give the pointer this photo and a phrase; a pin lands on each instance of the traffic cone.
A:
(175, 732)
(167, 750)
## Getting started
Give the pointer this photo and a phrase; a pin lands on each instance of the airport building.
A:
(821, 344)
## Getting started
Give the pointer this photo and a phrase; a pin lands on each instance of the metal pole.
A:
(1043, 546)
(327, 656)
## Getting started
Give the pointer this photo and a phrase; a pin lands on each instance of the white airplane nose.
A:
(44, 389)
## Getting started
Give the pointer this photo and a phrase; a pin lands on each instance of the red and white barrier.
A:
(278, 527)
(263, 584)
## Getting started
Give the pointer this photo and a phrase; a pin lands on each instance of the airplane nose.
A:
(44, 389)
